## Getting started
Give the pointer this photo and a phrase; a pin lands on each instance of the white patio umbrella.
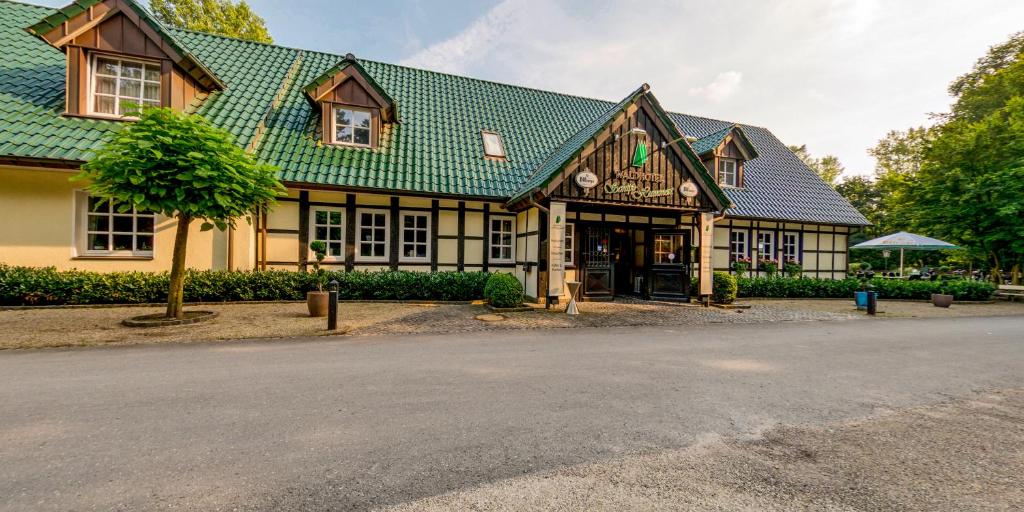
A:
(903, 241)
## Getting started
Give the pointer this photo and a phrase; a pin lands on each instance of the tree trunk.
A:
(1015, 275)
(997, 275)
(175, 295)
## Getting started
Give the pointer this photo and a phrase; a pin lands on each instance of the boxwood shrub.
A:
(21, 286)
(503, 291)
(723, 288)
(960, 289)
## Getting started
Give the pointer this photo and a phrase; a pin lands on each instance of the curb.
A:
(228, 303)
(158, 320)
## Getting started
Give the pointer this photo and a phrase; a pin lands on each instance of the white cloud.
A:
(723, 86)
(835, 75)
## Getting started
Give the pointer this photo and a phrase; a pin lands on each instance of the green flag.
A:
(640, 157)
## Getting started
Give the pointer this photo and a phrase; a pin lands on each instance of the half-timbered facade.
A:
(396, 168)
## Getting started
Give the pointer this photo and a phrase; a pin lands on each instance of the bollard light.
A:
(332, 305)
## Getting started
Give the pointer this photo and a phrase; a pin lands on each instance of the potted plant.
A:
(792, 267)
(770, 266)
(741, 265)
(316, 301)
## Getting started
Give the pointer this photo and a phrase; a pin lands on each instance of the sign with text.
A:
(556, 248)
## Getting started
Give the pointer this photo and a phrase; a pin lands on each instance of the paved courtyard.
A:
(904, 414)
(101, 326)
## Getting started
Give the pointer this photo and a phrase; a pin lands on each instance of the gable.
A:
(609, 157)
(348, 83)
(121, 27)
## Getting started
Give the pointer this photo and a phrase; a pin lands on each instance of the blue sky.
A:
(833, 74)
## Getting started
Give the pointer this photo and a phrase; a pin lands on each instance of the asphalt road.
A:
(354, 423)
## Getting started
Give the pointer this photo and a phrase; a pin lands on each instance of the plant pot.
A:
(317, 303)
(941, 300)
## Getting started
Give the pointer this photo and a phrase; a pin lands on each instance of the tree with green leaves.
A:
(222, 17)
(969, 188)
(827, 167)
(180, 166)
(898, 158)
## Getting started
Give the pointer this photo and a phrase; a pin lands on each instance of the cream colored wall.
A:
(38, 229)
(818, 254)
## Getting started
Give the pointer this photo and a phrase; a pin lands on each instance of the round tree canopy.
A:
(904, 240)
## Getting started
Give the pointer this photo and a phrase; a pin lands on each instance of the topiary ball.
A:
(503, 291)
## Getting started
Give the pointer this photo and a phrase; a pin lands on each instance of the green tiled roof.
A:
(572, 146)
(712, 141)
(435, 149)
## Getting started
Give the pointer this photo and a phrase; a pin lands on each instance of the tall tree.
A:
(182, 167)
(898, 158)
(970, 185)
(827, 167)
(214, 16)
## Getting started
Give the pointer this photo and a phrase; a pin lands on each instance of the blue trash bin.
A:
(861, 299)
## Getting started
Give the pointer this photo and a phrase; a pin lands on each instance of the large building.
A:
(394, 167)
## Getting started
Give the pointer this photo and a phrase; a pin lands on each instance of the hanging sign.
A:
(556, 248)
(688, 189)
(586, 179)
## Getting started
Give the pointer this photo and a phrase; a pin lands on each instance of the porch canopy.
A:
(904, 241)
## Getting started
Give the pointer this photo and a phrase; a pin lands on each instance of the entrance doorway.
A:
(623, 260)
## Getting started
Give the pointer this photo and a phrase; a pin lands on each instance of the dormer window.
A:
(727, 174)
(122, 85)
(493, 147)
(353, 126)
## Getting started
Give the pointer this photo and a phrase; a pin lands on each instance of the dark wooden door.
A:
(669, 273)
(595, 251)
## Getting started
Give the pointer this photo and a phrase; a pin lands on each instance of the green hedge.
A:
(504, 291)
(44, 286)
(887, 288)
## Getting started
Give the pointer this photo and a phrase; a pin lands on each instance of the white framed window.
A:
(493, 146)
(415, 239)
(502, 232)
(570, 244)
(791, 246)
(372, 228)
(727, 174)
(104, 231)
(766, 245)
(737, 245)
(352, 126)
(118, 83)
(327, 225)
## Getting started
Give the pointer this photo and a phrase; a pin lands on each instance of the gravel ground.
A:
(39, 328)
(962, 455)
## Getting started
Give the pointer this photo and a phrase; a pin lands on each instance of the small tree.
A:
(319, 249)
(180, 166)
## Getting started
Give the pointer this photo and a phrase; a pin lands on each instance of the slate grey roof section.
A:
(778, 185)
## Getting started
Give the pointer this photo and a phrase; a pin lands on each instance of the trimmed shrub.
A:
(20, 286)
(960, 289)
(723, 288)
(503, 291)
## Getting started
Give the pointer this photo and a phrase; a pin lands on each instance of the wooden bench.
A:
(1010, 292)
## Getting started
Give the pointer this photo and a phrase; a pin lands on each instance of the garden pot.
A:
(317, 303)
(941, 300)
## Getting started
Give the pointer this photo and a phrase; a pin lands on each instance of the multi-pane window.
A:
(737, 245)
(118, 84)
(493, 146)
(791, 246)
(352, 126)
(766, 246)
(415, 236)
(110, 232)
(372, 235)
(668, 248)
(570, 241)
(502, 235)
(328, 226)
(727, 172)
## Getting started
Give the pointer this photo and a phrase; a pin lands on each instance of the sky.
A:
(836, 75)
